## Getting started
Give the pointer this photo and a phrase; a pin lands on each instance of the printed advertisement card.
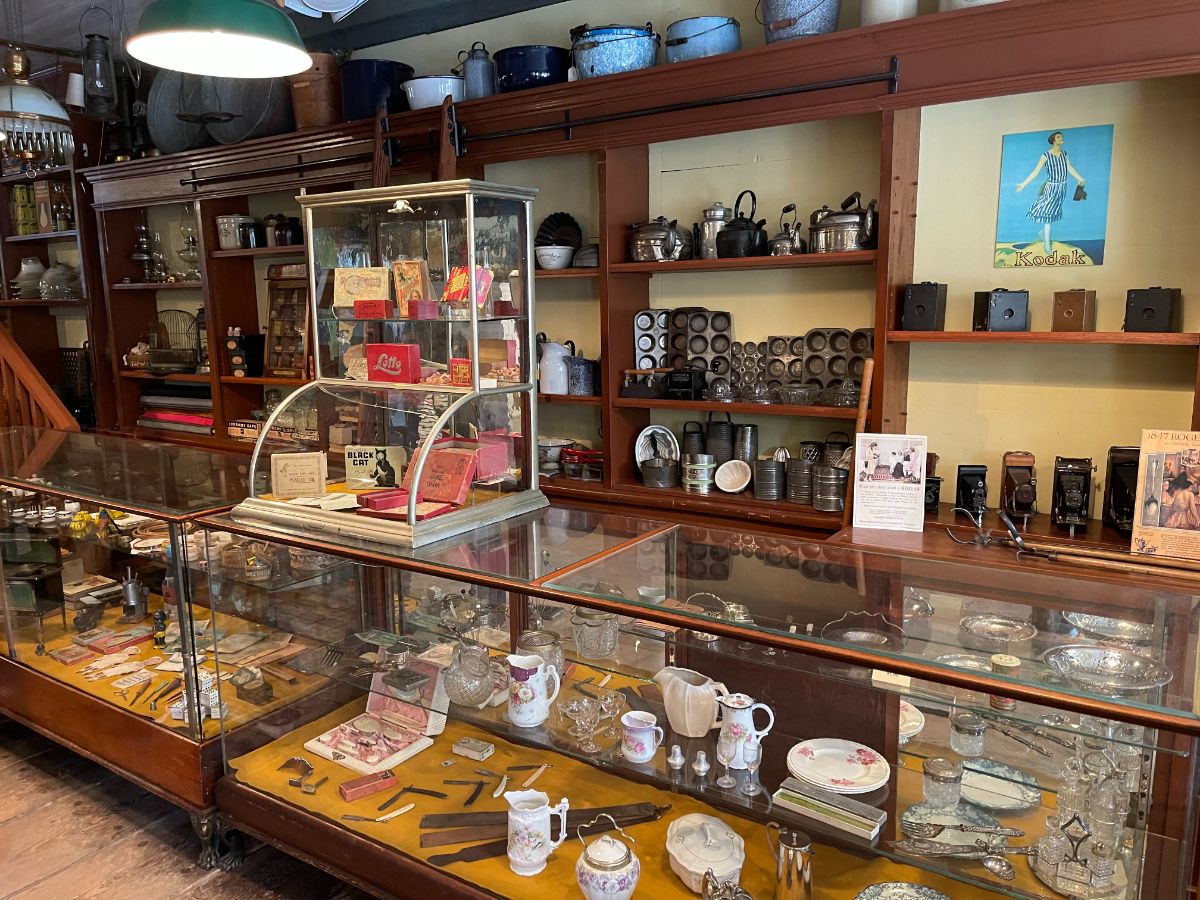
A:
(374, 467)
(889, 473)
(1166, 512)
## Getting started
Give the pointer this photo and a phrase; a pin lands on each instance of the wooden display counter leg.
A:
(221, 846)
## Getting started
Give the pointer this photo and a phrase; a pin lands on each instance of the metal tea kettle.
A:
(793, 863)
(789, 241)
(715, 218)
(743, 236)
(659, 240)
(850, 229)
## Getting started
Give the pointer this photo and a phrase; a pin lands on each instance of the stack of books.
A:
(172, 406)
(836, 811)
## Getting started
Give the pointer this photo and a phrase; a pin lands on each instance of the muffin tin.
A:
(701, 338)
(832, 355)
(749, 361)
(650, 338)
(784, 363)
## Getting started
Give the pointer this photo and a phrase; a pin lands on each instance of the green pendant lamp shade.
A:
(225, 38)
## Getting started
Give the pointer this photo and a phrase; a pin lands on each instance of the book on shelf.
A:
(179, 418)
(158, 425)
(250, 429)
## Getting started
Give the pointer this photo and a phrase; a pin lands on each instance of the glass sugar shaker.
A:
(966, 734)
(943, 782)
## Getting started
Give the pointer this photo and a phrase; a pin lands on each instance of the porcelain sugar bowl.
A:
(697, 843)
(607, 868)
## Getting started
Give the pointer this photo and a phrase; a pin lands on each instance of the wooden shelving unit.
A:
(1111, 338)
(159, 286)
(592, 272)
(747, 409)
(264, 381)
(47, 236)
(570, 399)
(290, 250)
(140, 375)
(805, 261)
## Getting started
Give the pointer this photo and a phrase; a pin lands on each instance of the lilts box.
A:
(394, 362)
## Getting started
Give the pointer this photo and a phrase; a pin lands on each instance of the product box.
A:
(74, 590)
(458, 290)
(386, 499)
(352, 285)
(460, 372)
(410, 277)
(373, 309)
(423, 309)
(447, 475)
(399, 363)
(44, 206)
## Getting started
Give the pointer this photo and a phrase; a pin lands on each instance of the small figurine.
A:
(160, 629)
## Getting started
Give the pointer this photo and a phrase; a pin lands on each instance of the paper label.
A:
(889, 481)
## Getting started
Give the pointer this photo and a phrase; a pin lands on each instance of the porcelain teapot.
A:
(552, 364)
(691, 700)
(737, 719)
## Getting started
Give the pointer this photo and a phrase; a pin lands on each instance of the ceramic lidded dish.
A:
(696, 843)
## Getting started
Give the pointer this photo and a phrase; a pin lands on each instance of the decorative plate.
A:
(993, 785)
(995, 629)
(733, 476)
(655, 442)
(1114, 671)
(1111, 629)
(912, 721)
(559, 230)
(899, 890)
(965, 661)
(963, 814)
(842, 767)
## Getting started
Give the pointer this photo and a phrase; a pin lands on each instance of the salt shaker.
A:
(676, 759)
(700, 764)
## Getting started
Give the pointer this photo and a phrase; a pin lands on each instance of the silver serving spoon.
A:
(933, 829)
(1000, 867)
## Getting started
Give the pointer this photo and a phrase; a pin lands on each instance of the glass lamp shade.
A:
(225, 38)
(34, 124)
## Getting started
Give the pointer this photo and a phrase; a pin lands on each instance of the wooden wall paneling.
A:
(624, 185)
(899, 160)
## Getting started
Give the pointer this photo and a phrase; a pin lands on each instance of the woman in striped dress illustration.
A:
(1048, 207)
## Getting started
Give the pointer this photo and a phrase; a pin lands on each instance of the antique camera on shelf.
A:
(923, 307)
(1001, 310)
(933, 493)
(1018, 497)
(1072, 491)
(971, 491)
(1153, 309)
(1074, 310)
(1120, 488)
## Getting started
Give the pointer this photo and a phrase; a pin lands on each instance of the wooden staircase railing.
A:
(25, 396)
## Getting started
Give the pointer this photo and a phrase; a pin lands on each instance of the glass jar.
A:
(545, 644)
(595, 632)
(1052, 846)
(1004, 664)
(943, 782)
(966, 734)
(468, 678)
(1072, 795)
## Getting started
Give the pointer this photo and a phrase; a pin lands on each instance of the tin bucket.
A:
(783, 20)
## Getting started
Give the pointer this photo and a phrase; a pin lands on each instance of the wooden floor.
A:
(69, 828)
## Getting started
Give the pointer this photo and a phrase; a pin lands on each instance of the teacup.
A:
(640, 736)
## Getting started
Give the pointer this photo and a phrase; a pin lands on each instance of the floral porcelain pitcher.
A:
(529, 694)
(737, 719)
(529, 841)
(691, 700)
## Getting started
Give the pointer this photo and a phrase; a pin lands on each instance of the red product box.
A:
(458, 289)
(447, 475)
(460, 372)
(400, 363)
(491, 453)
(373, 309)
(422, 309)
(386, 499)
(429, 510)
(357, 788)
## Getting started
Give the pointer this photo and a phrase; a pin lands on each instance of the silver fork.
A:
(333, 656)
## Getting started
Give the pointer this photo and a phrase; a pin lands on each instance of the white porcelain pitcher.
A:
(691, 700)
(529, 840)
(737, 719)
(552, 365)
(529, 694)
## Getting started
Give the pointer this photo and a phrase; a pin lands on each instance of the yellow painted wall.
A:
(973, 402)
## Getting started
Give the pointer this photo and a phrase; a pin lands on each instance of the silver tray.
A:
(1111, 629)
(991, 631)
(1114, 671)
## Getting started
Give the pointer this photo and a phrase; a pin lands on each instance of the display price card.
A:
(889, 475)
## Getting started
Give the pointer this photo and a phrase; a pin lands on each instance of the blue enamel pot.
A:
(609, 49)
(531, 66)
(702, 36)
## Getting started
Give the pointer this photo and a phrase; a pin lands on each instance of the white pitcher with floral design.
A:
(529, 695)
(529, 840)
(737, 720)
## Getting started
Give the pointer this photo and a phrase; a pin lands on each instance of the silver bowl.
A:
(1111, 629)
(1113, 671)
(992, 632)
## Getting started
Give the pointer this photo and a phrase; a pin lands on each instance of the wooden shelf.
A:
(27, 178)
(48, 236)
(752, 409)
(1040, 530)
(742, 506)
(14, 304)
(290, 250)
(804, 261)
(1150, 338)
(570, 399)
(264, 380)
(164, 286)
(140, 375)
(589, 272)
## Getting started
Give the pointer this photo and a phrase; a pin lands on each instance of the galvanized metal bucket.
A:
(783, 20)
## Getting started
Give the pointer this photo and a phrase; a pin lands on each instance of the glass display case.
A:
(906, 720)
(97, 551)
(423, 408)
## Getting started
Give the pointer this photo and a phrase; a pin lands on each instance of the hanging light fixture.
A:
(224, 38)
(36, 128)
(99, 79)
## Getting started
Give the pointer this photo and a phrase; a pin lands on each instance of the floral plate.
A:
(963, 814)
(912, 721)
(843, 767)
(993, 785)
(899, 890)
